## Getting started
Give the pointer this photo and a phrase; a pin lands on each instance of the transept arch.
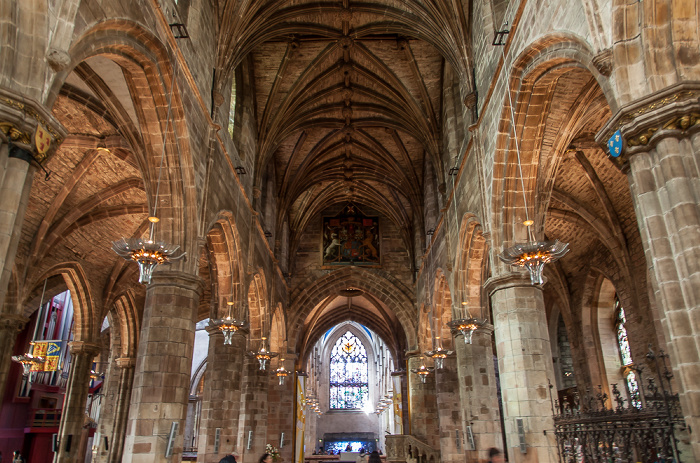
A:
(309, 295)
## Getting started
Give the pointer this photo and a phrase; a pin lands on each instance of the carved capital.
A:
(87, 348)
(603, 62)
(511, 280)
(125, 362)
(29, 126)
(11, 323)
(672, 112)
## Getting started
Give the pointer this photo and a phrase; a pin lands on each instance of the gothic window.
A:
(232, 108)
(349, 388)
(626, 354)
(622, 341)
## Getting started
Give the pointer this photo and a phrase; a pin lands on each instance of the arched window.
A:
(349, 387)
(232, 107)
(626, 354)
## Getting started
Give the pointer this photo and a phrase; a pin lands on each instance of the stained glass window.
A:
(633, 388)
(232, 108)
(622, 341)
(348, 373)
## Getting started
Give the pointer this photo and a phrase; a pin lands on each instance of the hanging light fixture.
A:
(228, 325)
(263, 355)
(422, 371)
(533, 255)
(466, 325)
(438, 354)
(28, 362)
(281, 372)
(150, 253)
(95, 375)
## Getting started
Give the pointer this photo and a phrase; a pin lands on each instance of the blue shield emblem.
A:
(615, 144)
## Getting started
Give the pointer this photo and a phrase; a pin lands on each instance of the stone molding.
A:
(671, 112)
(19, 118)
(82, 347)
(12, 323)
(512, 280)
(125, 362)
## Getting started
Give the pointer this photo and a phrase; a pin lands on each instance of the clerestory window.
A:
(349, 387)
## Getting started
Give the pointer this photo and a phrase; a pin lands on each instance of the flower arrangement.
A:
(272, 451)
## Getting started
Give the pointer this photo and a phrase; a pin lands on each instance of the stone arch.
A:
(470, 274)
(537, 66)
(226, 265)
(442, 306)
(278, 330)
(140, 53)
(259, 325)
(310, 295)
(127, 316)
(85, 309)
(425, 331)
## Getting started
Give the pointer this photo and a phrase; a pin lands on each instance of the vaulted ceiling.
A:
(348, 99)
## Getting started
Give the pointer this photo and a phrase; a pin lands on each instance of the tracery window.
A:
(349, 388)
(622, 341)
(626, 354)
(232, 108)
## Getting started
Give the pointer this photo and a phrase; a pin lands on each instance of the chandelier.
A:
(533, 255)
(263, 355)
(148, 254)
(422, 371)
(281, 372)
(228, 325)
(28, 362)
(95, 375)
(438, 354)
(466, 325)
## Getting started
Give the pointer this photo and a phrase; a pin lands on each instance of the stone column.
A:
(479, 394)
(115, 411)
(70, 429)
(525, 367)
(422, 406)
(660, 152)
(10, 327)
(19, 118)
(253, 414)
(221, 399)
(280, 411)
(160, 393)
(449, 414)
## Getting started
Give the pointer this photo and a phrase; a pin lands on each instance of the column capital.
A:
(125, 362)
(180, 279)
(20, 116)
(82, 347)
(671, 112)
(12, 322)
(511, 280)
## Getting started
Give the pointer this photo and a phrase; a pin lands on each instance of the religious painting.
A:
(351, 238)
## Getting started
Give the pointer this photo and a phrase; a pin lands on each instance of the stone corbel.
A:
(22, 123)
(671, 112)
